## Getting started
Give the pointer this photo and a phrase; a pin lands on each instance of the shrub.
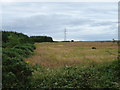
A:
(11, 37)
(10, 53)
(76, 77)
(26, 48)
(16, 71)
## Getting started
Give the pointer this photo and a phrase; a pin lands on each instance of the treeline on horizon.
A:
(41, 39)
(15, 38)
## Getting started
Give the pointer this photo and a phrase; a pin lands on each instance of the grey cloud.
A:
(52, 18)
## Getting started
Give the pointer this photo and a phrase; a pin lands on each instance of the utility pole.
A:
(65, 34)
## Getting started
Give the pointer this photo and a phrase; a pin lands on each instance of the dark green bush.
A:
(31, 45)
(15, 67)
(27, 47)
(10, 53)
(10, 36)
(22, 53)
(8, 79)
(16, 71)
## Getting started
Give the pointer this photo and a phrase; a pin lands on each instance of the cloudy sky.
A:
(83, 21)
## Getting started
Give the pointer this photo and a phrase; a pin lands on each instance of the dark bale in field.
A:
(93, 47)
(72, 40)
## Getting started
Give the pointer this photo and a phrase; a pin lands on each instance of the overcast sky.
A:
(83, 21)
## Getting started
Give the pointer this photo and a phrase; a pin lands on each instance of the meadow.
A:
(75, 65)
(60, 54)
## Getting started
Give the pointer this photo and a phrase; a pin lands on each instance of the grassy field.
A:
(60, 54)
(75, 65)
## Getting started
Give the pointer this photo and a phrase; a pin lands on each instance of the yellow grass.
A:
(73, 53)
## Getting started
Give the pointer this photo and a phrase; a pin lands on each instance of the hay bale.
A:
(93, 47)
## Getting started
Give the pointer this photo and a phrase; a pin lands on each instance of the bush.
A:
(27, 47)
(16, 71)
(22, 53)
(76, 77)
(10, 53)
(11, 37)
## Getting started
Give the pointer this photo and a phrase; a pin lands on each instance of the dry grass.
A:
(73, 53)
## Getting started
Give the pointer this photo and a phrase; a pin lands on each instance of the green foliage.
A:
(11, 39)
(27, 47)
(25, 50)
(76, 77)
(10, 53)
(41, 39)
(16, 71)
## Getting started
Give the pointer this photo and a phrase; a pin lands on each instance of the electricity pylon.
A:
(65, 34)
